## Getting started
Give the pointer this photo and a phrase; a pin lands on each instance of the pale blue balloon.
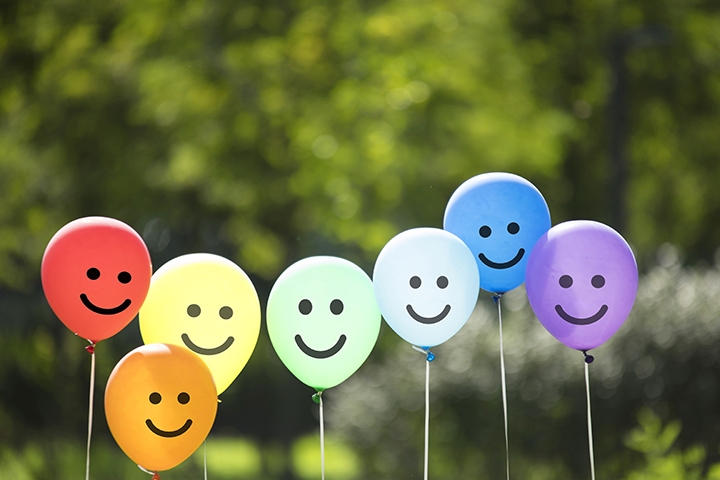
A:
(499, 216)
(426, 285)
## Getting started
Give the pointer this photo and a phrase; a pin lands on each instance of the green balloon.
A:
(323, 320)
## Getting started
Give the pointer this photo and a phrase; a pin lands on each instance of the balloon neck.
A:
(429, 356)
(317, 397)
(496, 297)
(588, 358)
(156, 476)
(91, 348)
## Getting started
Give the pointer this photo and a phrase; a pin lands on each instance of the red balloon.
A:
(96, 274)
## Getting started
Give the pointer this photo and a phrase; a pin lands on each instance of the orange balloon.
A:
(160, 404)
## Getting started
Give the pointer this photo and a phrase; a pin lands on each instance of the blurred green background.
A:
(268, 131)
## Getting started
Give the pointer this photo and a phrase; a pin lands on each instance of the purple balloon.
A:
(581, 282)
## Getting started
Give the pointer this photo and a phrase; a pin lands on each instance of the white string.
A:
(504, 389)
(427, 416)
(205, 458)
(589, 418)
(90, 412)
(322, 438)
(154, 474)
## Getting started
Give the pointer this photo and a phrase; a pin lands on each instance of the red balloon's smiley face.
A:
(96, 274)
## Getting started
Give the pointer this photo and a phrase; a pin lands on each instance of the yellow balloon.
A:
(160, 404)
(207, 304)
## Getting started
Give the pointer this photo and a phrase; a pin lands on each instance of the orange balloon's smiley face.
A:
(95, 275)
(160, 405)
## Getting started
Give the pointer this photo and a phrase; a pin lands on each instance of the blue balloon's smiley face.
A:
(513, 229)
(426, 285)
(499, 216)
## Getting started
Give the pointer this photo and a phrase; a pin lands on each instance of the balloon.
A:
(499, 216)
(160, 404)
(208, 304)
(323, 320)
(426, 285)
(95, 274)
(581, 282)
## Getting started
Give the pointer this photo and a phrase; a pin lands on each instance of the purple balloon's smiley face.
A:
(581, 282)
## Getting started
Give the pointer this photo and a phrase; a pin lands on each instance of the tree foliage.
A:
(270, 131)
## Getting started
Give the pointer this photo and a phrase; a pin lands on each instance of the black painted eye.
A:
(124, 277)
(226, 313)
(485, 231)
(183, 398)
(93, 273)
(442, 281)
(305, 306)
(566, 281)
(513, 228)
(155, 398)
(193, 310)
(598, 281)
(336, 307)
(415, 282)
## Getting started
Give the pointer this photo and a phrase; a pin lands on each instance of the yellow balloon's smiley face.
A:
(160, 404)
(207, 304)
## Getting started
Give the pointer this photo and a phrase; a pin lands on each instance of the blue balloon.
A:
(426, 285)
(499, 216)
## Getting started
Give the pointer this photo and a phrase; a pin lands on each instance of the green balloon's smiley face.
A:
(323, 320)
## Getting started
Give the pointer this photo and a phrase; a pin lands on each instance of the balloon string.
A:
(427, 417)
(322, 437)
(155, 475)
(504, 387)
(589, 418)
(429, 356)
(205, 457)
(91, 349)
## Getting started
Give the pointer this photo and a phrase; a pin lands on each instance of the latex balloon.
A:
(581, 282)
(95, 274)
(499, 216)
(207, 304)
(426, 284)
(323, 320)
(160, 404)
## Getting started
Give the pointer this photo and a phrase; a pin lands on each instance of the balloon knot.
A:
(426, 350)
(316, 397)
(588, 358)
(91, 349)
(156, 476)
(496, 298)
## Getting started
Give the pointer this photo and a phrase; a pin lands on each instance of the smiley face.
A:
(207, 304)
(160, 404)
(499, 216)
(566, 281)
(426, 285)
(95, 275)
(581, 282)
(323, 320)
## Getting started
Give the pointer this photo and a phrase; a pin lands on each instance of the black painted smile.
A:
(206, 351)
(501, 266)
(165, 433)
(428, 320)
(581, 321)
(104, 311)
(320, 353)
